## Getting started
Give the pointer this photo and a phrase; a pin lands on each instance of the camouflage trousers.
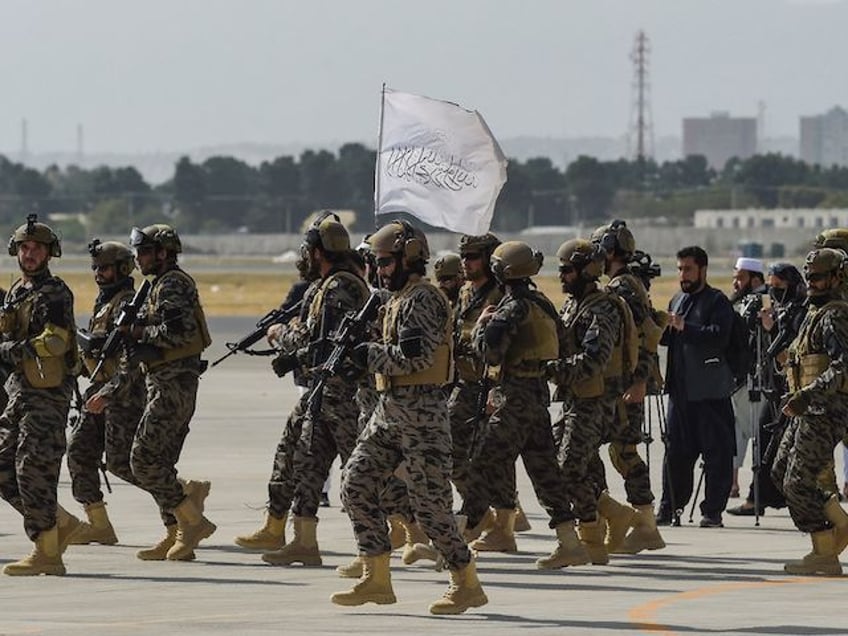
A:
(282, 483)
(805, 449)
(522, 427)
(395, 498)
(462, 407)
(32, 442)
(578, 434)
(164, 425)
(112, 432)
(624, 438)
(409, 425)
(332, 432)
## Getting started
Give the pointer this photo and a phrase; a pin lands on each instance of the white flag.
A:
(438, 162)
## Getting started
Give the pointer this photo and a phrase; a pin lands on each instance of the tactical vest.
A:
(803, 367)
(650, 330)
(100, 325)
(469, 366)
(625, 350)
(437, 374)
(316, 304)
(535, 341)
(42, 368)
(199, 341)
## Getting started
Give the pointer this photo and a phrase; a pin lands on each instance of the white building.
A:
(815, 219)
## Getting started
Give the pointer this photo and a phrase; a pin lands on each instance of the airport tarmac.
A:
(707, 581)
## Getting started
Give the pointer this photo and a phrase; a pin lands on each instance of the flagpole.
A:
(379, 153)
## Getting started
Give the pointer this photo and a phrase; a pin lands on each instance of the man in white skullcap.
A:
(748, 281)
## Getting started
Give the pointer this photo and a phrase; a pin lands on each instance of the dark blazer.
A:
(697, 366)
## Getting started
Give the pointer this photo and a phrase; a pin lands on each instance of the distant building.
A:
(824, 138)
(720, 137)
(796, 218)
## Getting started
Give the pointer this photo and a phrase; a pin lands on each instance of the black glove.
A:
(359, 356)
(283, 364)
(410, 342)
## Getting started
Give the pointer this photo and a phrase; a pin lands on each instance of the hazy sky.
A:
(148, 75)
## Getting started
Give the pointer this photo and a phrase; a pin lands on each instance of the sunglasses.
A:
(566, 269)
(816, 277)
(471, 256)
(100, 268)
(384, 261)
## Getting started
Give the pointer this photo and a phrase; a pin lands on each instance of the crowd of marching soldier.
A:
(420, 386)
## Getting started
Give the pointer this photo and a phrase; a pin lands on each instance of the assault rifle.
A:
(477, 421)
(350, 333)
(128, 316)
(273, 317)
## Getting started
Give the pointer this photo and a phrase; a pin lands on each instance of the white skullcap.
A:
(750, 264)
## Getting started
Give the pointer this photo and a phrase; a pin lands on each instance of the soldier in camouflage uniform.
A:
(448, 272)
(116, 396)
(480, 290)
(618, 244)
(409, 425)
(818, 404)
(592, 322)
(515, 339)
(39, 346)
(331, 430)
(169, 335)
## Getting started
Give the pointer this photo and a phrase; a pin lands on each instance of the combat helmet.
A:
(615, 237)
(400, 237)
(823, 261)
(157, 235)
(33, 230)
(584, 256)
(112, 253)
(447, 266)
(836, 238)
(328, 233)
(484, 244)
(514, 260)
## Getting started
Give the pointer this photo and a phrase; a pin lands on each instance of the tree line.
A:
(225, 194)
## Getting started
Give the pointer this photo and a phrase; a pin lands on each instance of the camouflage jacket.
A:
(623, 283)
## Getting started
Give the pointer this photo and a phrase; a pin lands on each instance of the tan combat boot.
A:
(375, 586)
(463, 592)
(501, 536)
(836, 514)
(160, 551)
(197, 491)
(303, 548)
(70, 529)
(271, 536)
(619, 518)
(45, 557)
(417, 544)
(822, 561)
(592, 533)
(192, 528)
(522, 524)
(352, 570)
(470, 534)
(397, 531)
(645, 535)
(569, 551)
(98, 529)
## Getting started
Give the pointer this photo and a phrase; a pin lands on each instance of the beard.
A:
(689, 286)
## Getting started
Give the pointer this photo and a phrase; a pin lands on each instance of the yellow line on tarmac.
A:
(644, 616)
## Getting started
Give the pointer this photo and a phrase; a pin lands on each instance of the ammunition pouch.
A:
(43, 373)
(8, 320)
